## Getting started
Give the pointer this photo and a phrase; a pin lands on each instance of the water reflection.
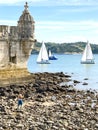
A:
(87, 65)
(42, 67)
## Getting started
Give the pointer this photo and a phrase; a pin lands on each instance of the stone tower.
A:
(16, 42)
(26, 25)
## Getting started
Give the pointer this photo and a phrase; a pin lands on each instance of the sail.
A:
(50, 54)
(87, 54)
(84, 54)
(43, 55)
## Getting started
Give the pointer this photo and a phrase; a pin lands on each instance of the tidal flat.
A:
(48, 105)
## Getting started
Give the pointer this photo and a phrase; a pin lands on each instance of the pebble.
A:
(48, 106)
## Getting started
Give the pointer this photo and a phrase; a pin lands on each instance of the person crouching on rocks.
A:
(20, 101)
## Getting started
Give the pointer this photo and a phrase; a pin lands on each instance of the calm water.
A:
(71, 65)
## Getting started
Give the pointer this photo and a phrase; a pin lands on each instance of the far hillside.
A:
(65, 48)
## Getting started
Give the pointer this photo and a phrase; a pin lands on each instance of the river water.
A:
(69, 64)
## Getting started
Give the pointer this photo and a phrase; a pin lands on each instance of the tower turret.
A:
(26, 24)
(16, 42)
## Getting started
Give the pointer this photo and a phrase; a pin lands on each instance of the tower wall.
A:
(4, 53)
(24, 48)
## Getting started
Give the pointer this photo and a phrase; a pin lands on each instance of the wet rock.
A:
(86, 79)
(75, 81)
(85, 83)
(2, 108)
(48, 106)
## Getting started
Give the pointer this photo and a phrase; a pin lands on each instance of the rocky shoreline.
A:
(48, 105)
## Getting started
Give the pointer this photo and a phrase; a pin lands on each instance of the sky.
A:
(57, 21)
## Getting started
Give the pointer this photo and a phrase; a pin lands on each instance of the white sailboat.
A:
(52, 57)
(50, 54)
(87, 57)
(43, 55)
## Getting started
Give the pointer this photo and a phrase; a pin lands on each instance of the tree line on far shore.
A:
(64, 48)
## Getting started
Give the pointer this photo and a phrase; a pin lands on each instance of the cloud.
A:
(78, 2)
(79, 10)
(8, 22)
(9, 1)
(51, 2)
(60, 31)
(67, 31)
(67, 26)
(20, 1)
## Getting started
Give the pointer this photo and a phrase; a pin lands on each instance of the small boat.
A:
(52, 57)
(43, 55)
(87, 57)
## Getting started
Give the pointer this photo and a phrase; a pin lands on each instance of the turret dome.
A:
(26, 25)
(26, 15)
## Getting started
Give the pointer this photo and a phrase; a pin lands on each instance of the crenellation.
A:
(13, 32)
(4, 31)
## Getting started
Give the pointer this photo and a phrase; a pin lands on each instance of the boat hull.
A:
(52, 58)
(87, 62)
(43, 62)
